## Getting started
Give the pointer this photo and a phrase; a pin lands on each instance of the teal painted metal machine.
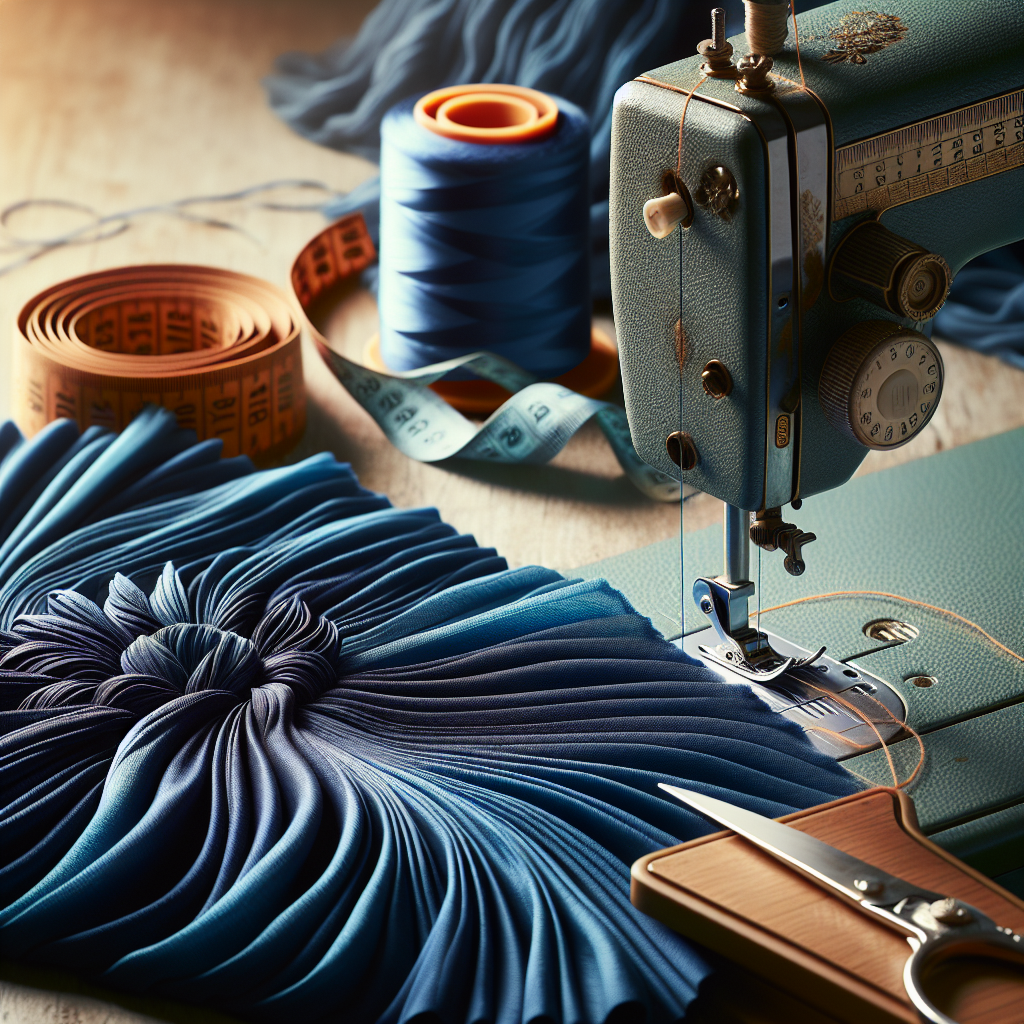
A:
(777, 256)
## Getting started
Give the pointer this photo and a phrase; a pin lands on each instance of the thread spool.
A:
(485, 240)
(767, 25)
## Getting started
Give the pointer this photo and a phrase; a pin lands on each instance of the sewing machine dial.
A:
(881, 383)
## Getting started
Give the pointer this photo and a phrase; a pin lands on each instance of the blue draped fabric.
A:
(271, 745)
(985, 308)
(581, 50)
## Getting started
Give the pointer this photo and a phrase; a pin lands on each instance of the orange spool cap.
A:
(489, 114)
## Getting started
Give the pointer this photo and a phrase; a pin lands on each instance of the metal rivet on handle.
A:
(868, 886)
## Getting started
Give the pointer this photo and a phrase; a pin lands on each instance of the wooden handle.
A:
(741, 902)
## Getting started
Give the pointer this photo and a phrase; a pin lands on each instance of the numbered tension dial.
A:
(881, 383)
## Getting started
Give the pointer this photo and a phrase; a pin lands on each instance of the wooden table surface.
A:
(116, 104)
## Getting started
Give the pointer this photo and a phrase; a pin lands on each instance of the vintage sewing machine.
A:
(777, 258)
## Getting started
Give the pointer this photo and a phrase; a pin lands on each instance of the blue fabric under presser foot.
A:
(273, 746)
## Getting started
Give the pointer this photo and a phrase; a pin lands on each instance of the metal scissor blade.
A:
(852, 877)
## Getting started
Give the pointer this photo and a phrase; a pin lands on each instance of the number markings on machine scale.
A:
(930, 156)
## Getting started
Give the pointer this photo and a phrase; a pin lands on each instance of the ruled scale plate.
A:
(931, 156)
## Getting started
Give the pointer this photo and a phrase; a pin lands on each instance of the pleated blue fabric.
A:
(271, 745)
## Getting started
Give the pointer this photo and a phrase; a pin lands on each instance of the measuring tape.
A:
(220, 350)
(532, 426)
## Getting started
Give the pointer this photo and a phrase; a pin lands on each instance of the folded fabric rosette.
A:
(271, 745)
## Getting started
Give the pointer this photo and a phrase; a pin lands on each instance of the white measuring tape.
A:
(531, 427)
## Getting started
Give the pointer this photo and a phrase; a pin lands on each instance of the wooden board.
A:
(743, 903)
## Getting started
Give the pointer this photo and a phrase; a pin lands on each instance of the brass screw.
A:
(716, 379)
(681, 450)
(924, 681)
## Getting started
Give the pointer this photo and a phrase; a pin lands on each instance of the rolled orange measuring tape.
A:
(220, 350)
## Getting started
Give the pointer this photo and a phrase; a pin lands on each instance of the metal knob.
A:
(881, 383)
(716, 379)
(718, 191)
(889, 271)
(681, 450)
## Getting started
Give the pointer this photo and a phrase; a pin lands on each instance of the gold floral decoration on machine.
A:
(863, 32)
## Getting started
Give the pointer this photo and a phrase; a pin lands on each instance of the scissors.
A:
(940, 926)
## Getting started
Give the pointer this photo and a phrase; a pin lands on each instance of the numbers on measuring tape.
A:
(532, 426)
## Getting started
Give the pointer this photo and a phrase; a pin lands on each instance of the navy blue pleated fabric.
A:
(271, 745)
(985, 308)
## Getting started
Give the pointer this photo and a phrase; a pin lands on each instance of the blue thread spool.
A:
(484, 239)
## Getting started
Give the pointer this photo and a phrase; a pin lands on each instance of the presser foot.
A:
(727, 659)
(831, 701)
(742, 648)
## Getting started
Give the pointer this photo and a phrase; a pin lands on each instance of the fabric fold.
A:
(271, 745)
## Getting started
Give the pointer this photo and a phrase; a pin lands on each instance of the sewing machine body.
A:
(753, 290)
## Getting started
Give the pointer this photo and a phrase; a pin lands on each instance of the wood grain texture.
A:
(20, 1004)
(744, 903)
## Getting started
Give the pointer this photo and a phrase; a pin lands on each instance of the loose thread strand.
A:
(796, 43)
(905, 600)
(679, 173)
(873, 727)
(104, 226)
(839, 700)
(682, 121)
